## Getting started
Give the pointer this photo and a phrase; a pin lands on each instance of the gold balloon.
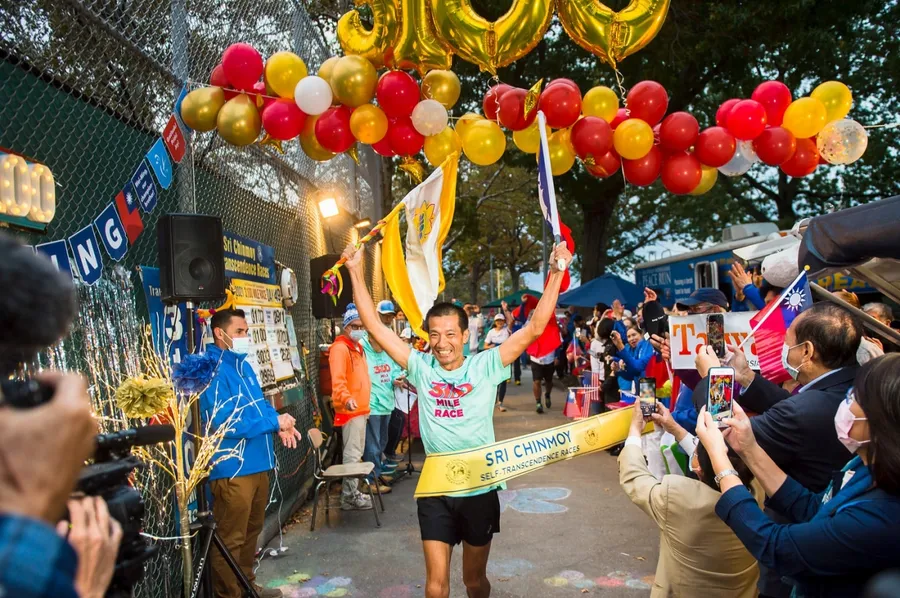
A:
(376, 44)
(417, 45)
(805, 117)
(327, 68)
(438, 147)
(529, 140)
(239, 122)
(491, 45)
(836, 98)
(609, 34)
(633, 139)
(465, 121)
(484, 142)
(310, 145)
(200, 108)
(442, 86)
(283, 71)
(601, 102)
(353, 81)
(562, 155)
(369, 124)
(708, 177)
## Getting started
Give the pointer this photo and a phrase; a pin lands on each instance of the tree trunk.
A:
(514, 282)
(595, 241)
(475, 282)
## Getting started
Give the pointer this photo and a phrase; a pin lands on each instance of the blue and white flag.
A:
(546, 192)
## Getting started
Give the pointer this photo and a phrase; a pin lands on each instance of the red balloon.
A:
(564, 81)
(259, 89)
(403, 137)
(491, 103)
(591, 136)
(681, 173)
(512, 110)
(775, 98)
(242, 65)
(678, 132)
(283, 120)
(644, 171)
(747, 119)
(217, 78)
(724, 110)
(715, 147)
(804, 161)
(647, 101)
(606, 165)
(621, 115)
(383, 147)
(561, 104)
(775, 146)
(397, 93)
(333, 130)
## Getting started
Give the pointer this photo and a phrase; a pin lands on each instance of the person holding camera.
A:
(240, 485)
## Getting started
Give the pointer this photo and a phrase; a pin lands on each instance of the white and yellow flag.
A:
(417, 280)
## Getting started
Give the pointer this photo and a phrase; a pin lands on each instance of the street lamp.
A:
(363, 223)
(328, 207)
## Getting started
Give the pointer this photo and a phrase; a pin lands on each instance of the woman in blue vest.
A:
(633, 357)
(844, 536)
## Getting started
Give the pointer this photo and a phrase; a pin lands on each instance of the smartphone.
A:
(720, 394)
(715, 333)
(647, 395)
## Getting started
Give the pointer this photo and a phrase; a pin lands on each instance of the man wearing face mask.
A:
(240, 485)
(350, 394)
(797, 431)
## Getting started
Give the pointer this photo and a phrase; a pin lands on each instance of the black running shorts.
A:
(543, 372)
(449, 519)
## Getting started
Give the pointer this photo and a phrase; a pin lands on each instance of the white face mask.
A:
(358, 335)
(241, 345)
(843, 422)
(792, 371)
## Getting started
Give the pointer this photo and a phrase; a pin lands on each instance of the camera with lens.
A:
(109, 478)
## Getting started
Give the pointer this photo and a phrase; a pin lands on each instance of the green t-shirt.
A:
(456, 409)
(382, 372)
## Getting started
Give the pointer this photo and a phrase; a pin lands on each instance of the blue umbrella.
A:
(603, 289)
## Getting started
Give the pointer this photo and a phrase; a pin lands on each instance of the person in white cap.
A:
(495, 337)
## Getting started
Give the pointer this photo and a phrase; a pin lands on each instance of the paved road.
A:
(567, 530)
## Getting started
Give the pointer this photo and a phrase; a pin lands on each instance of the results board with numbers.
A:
(270, 346)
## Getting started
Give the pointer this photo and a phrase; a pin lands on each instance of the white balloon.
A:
(313, 95)
(744, 157)
(842, 141)
(429, 117)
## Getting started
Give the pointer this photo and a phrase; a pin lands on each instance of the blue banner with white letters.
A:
(112, 232)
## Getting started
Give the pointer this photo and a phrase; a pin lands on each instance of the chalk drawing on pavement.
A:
(616, 579)
(534, 500)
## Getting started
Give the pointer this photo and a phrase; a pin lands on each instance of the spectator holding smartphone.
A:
(634, 357)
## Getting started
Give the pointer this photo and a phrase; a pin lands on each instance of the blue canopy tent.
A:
(603, 289)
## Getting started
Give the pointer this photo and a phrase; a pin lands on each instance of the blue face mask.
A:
(358, 335)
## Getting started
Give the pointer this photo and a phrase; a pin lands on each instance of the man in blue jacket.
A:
(240, 485)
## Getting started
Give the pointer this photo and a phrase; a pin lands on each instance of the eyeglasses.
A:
(357, 327)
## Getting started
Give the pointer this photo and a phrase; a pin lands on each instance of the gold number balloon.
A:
(200, 108)
(376, 44)
(491, 45)
(238, 121)
(417, 45)
(609, 34)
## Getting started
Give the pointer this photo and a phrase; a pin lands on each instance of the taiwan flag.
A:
(771, 324)
(550, 340)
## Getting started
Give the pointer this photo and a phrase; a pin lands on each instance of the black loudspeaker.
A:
(322, 306)
(191, 258)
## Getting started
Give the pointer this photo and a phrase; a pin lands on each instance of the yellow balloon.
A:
(601, 102)
(327, 68)
(805, 117)
(238, 121)
(353, 81)
(484, 142)
(310, 145)
(609, 34)
(529, 140)
(442, 86)
(562, 155)
(465, 121)
(283, 71)
(438, 147)
(836, 98)
(633, 138)
(200, 108)
(373, 44)
(368, 124)
(491, 45)
(708, 177)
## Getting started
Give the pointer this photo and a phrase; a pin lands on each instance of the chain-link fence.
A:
(86, 87)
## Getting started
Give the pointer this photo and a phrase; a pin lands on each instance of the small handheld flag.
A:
(546, 191)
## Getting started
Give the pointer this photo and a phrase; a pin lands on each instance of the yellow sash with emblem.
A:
(446, 474)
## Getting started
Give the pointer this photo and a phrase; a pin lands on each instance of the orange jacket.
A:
(349, 379)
